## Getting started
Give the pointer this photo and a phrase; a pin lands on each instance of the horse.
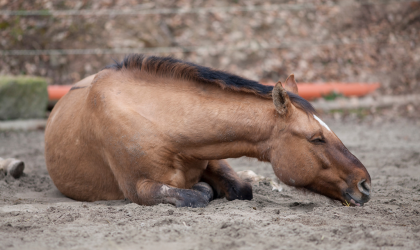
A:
(158, 130)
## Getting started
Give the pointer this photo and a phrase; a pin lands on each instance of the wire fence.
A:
(148, 9)
(251, 46)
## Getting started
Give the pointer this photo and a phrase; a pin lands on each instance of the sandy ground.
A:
(34, 215)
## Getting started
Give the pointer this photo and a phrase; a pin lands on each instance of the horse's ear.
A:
(281, 99)
(290, 84)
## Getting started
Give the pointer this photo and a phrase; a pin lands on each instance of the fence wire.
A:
(251, 46)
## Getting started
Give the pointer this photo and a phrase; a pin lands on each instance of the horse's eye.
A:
(318, 141)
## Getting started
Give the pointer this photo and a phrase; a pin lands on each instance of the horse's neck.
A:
(230, 125)
(203, 121)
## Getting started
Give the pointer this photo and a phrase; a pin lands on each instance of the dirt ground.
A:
(34, 215)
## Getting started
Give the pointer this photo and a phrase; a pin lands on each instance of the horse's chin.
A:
(308, 190)
(346, 199)
(350, 200)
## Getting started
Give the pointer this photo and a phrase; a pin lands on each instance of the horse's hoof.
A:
(239, 191)
(204, 189)
(200, 197)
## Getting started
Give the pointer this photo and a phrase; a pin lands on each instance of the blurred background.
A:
(50, 44)
(265, 40)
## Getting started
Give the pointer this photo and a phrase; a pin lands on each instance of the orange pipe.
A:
(315, 90)
(311, 91)
(55, 92)
(306, 90)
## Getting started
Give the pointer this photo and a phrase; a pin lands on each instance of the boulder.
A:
(23, 97)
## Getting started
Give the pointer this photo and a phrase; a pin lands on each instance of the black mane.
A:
(170, 67)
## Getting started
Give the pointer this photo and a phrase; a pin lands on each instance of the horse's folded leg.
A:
(152, 193)
(226, 182)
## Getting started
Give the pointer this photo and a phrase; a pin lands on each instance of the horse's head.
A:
(307, 154)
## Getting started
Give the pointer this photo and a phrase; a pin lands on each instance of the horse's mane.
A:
(174, 68)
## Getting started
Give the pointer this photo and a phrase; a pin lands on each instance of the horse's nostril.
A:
(364, 187)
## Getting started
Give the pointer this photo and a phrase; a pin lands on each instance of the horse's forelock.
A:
(301, 103)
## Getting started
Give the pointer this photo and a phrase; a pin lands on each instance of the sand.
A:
(35, 215)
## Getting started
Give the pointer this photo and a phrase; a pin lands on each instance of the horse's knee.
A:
(239, 190)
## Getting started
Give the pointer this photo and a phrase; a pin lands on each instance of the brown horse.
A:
(156, 130)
